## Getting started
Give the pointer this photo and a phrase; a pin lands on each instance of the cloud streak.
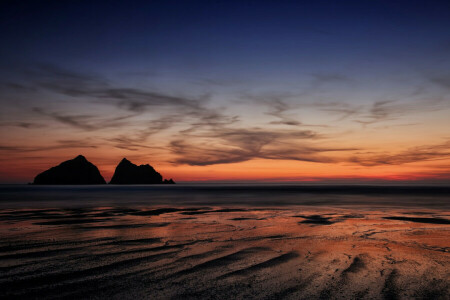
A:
(226, 145)
(95, 87)
(61, 144)
(84, 122)
(411, 155)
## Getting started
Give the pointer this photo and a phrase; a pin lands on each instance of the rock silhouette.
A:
(75, 171)
(128, 173)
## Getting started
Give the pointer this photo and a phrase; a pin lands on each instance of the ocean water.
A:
(365, 196)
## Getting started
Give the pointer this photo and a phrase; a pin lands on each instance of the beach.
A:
(224, 252)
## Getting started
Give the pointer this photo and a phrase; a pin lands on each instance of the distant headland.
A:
(79, 171)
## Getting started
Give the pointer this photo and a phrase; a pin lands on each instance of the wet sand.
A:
(299, 252)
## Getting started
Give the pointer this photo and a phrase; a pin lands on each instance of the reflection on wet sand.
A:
(224, 252)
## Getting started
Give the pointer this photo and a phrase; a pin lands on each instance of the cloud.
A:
(442, 80)
(280, 106)
(325, 82)
(390, 110)
(278, 109)
(208, 82)
(90, 86)
(136, 139)
(63, 81)
(18, 87)
(323, 78)
(96, 89)
(189, 122)
(380, 111)
(411, 155)
(26, 125)
(84, 122)
(78, 121)
(136, 100)
(343, 109)
(189, 114)
(130, 144)
(203, 155)
(227, 145)
(61, 144)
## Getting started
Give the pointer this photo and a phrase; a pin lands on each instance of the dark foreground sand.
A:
(224, 253)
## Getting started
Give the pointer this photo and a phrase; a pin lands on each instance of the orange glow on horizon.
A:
(258, 170)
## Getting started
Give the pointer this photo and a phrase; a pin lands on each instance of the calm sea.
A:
(16, 196)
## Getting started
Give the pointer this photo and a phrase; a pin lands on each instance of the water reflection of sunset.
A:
(232, 250)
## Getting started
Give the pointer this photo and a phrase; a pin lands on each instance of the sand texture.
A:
(224, 253)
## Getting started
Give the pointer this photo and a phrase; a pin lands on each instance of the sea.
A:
(266, 194)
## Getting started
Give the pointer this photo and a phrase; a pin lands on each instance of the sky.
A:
(301, 91)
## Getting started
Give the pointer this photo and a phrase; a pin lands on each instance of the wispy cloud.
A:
(26, 125)
(341, 109)
(136, 139)
(17, 87)
(227, 145)
(84, 122)
(380, 111)
(64, 81)
(278, 109)
(282, 106)
(324, 78)
(96, 87)
(442, 80)
(61, 144)
(411, 155)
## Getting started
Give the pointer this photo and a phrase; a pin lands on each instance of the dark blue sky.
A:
(228, 38)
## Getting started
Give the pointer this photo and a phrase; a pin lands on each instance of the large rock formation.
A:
(75, 171)
(128, 173)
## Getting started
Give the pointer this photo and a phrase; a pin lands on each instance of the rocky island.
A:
(75, 171)
(128, 173)
(80, 171)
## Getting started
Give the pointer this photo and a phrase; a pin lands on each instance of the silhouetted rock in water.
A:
(128, 173)
(170, 181)
(74, 171)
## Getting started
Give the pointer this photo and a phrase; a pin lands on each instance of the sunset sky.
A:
(333, 91)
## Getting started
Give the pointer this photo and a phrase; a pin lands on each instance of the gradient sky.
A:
(347, 91)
